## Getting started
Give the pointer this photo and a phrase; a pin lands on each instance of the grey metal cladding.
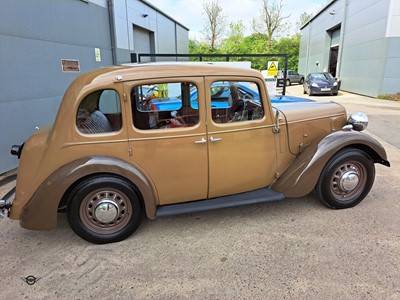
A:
(165, 35)
(63, 21)
(182, 40)
(391, 80)
(34, 37)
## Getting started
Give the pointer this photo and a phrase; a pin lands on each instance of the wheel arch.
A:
(41, 211)
(65, 199)
(302, 176)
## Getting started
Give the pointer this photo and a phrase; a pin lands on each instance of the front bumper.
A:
(324, 90)
(6, 202)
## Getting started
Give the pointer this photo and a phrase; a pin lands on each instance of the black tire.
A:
(301, 81)
(288, 82)
(107, 197)
(346, 179)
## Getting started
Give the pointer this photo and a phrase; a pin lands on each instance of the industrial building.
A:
(357, 41)
(45, 44)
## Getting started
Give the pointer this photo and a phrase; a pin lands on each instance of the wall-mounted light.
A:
(145, 15)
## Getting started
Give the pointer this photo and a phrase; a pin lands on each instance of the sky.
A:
(190, 12)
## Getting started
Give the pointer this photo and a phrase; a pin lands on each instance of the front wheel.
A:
(104, 209)
(346, 179)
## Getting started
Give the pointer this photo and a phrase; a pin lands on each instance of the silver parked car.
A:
(291, 77)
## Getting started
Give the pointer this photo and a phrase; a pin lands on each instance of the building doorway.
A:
(143, 40)
(333, 58)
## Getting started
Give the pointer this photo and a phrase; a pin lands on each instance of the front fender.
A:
(40, 212)
(302, 176)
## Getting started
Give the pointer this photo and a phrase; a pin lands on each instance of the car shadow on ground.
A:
(281, 211)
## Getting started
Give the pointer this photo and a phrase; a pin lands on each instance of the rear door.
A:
(167, 136)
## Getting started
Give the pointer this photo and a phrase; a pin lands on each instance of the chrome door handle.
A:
(202, 141)
(213, 140)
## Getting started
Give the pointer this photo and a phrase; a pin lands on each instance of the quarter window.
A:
(235, 101)
(99, 112)
(165, 105)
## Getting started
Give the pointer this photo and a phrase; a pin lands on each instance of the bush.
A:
(393, 97)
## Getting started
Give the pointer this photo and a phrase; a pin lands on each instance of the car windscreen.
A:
(322, 76)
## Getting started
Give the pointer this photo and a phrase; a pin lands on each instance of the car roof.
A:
(158, 70)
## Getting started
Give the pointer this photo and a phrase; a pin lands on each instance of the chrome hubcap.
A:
(349, 181)
(106, 211)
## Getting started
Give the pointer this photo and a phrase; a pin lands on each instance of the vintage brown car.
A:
(164, 139)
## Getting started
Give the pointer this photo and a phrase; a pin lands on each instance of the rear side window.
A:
(99, 112)
(165, 105)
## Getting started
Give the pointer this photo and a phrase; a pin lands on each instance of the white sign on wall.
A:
(97, 54)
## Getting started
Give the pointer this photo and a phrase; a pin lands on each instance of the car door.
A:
(167, 136)
(241, 144)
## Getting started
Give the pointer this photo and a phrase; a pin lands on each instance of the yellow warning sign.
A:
(272, 68)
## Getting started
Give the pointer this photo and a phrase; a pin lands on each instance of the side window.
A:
(235, 101)
(165, 105)
(99, 112)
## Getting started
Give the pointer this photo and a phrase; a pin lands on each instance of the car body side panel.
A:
(301, 177)
(40, 212)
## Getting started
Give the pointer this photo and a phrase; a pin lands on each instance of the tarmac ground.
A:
(293, 249)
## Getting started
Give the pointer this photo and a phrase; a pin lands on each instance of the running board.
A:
(253, 197)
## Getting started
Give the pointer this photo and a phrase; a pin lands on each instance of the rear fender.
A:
(302, 176)
(40, 212)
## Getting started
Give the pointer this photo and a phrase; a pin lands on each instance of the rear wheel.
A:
(104, 209)
(346, 179)
(301, 81)
(287, 82)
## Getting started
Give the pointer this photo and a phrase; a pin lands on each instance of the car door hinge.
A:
(130, 151)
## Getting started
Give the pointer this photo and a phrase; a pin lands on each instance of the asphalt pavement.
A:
(293, 249)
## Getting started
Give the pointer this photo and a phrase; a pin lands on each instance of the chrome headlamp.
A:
(359, 120)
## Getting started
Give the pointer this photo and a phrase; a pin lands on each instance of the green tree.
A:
(197, 47)
(234, 42)
(290, 46)
(271, 22)
(215, 23)
(303, 19)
